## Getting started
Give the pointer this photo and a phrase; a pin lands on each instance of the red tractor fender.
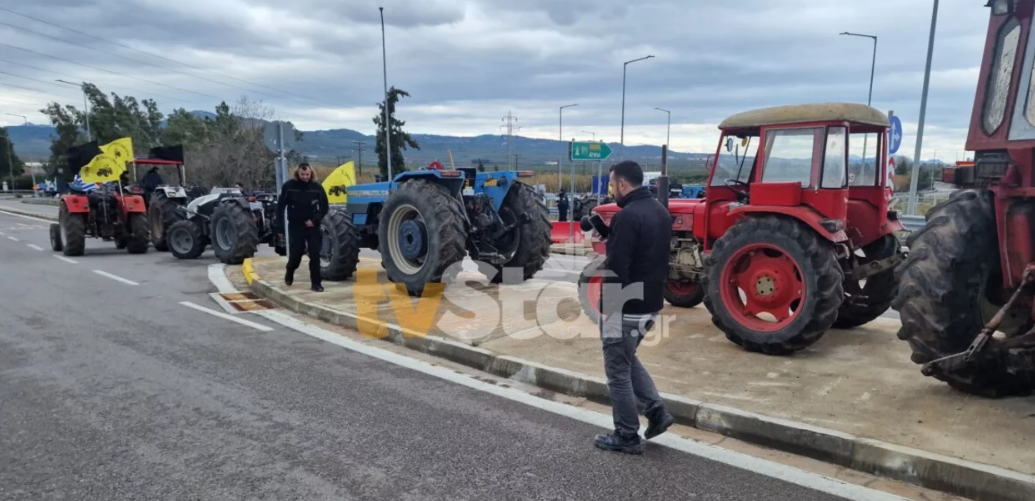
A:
(76, 204)
(804, 214)
(130, 204)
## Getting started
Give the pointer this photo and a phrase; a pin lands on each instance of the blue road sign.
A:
(894, 135)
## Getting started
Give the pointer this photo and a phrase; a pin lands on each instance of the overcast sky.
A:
(467, 62)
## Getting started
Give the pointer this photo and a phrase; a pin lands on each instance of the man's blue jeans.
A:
(627, 380)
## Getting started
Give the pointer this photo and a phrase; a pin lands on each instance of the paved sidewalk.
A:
(857, 382)
(37, 210)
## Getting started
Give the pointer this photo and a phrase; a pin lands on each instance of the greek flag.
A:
(78, 185)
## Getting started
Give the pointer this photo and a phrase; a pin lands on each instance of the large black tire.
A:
(589, 293)
(821, 277)
(139, 238)
(186, 240)
(234, 233)
(340, 253)
(161, 214)
(73, 231)
(942, 284)
(876, 295)
(683, 294)
(55, 237)
(529, 245)
(440, 238)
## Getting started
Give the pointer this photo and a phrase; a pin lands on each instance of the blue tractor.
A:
(425, 222)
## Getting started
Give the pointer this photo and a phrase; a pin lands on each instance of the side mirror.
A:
(729, 144)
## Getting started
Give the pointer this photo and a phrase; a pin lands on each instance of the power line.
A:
(3, 84)
(171, 60)
(108, 71)
(83, 79)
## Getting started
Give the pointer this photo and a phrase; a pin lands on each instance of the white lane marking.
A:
(217, 275)
(26, 217)
(65, 259)
(736, 459)
(2, 233)
(13, 239)
(115, 277)
(224, 316)
(31, 246)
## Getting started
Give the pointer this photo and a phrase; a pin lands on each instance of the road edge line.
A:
(931, 470)
(39, 217)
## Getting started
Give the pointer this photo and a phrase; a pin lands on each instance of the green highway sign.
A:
(589, 151)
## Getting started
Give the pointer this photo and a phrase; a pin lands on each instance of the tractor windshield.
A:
(736, 160)
(862, 154)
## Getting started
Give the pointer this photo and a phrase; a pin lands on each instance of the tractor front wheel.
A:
(867, 301)
(773, 286)
(139, 238)
(527, 247)
(683, 294)
(55, 237)
(422, 236)
(944, 297)
(73, 231)
(340, 253)
(186, 240)
(591, 286)
(234, 233)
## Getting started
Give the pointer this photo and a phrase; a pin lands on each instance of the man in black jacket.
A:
(562, 206)
(636, 272)
(306, 205)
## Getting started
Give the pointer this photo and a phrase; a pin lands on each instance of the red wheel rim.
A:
(762, 287)
(593, 291)
(683, 289)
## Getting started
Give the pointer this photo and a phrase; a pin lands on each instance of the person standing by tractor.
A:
(562, 206)
(306, 204)
(636, 271)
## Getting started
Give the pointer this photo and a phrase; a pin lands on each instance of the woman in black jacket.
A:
(306, 205)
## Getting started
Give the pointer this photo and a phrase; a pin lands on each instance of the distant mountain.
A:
(331, 146)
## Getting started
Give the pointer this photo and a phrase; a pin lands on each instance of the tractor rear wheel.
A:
(186, 240)
(55, 237)
(865, 302)
(73, 231)
(528, 247)
(234, 233)
(139, 239)
(683, 294)
(161, 214)
(340, 253)
(422, 236)
(773, 286)
(943, 295)
(591, 285)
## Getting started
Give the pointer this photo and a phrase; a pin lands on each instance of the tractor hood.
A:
(676, 206)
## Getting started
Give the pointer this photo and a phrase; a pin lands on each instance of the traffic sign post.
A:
(590, 151)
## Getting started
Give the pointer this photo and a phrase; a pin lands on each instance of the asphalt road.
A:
(110, 390)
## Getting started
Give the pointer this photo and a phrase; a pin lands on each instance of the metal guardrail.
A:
(912, 223)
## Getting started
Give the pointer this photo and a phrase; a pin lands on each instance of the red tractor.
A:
(787, 243)
(967, 296)
(104, 212)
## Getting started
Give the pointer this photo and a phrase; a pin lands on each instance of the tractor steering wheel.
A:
(742, 196)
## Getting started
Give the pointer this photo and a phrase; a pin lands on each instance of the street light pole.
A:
(388, 125)
(911, 209)
(590, 132)
(625, 66)
(86, 106)
(25, 121)
(873, 67)
(560, 137)
(668, 134)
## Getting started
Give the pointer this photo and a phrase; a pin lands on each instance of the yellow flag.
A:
(335, 185)
(120, 149)
(102, 169)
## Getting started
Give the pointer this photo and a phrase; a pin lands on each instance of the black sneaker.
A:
(317, 288)
(289, 278)
(619, 443)
(658, 426)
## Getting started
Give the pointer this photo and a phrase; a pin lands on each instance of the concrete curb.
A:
(934, 471)
(568, 249)
(30, 214)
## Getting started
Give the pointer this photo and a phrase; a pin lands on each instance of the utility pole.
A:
(625, 67)
(508, 123)
(359, 156)
(911, 209)
(560, 138)
(86, 106)
(388, 124)
(668, 130)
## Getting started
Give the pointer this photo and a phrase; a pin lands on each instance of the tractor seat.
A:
(97, 199)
